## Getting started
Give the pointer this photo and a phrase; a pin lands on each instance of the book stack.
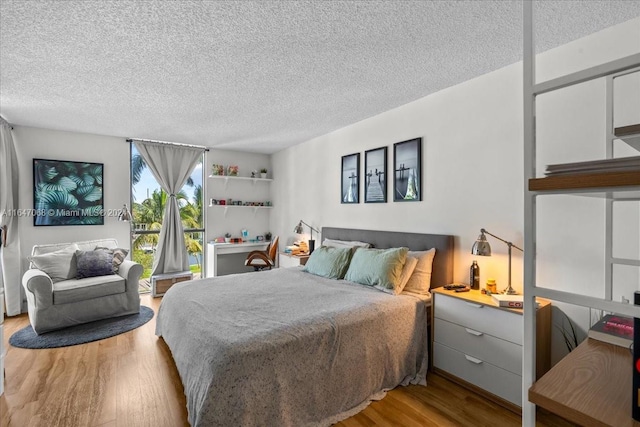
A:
(511, 301)
(614, 329)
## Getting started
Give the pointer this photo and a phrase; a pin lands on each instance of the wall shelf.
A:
(226, 178)
(588, 182)
(227, 207)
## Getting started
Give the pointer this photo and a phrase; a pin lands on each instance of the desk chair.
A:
(263, 260)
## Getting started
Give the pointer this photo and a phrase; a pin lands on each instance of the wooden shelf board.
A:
(591, 386)
(631, 130)
(596, 182)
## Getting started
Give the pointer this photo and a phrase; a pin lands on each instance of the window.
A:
(148, 202)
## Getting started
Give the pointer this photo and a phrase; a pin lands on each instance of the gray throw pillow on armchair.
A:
(93, 263)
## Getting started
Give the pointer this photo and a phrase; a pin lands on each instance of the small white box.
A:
(160, 283)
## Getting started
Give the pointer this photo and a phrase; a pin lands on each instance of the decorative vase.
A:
(263, 175)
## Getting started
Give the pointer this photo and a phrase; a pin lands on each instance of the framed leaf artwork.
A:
(67, 193)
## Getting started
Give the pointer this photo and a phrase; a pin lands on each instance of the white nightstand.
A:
(288, 260)
(479, 345)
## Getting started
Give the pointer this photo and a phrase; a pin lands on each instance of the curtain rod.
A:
(168, 143)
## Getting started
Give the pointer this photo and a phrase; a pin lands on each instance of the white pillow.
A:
(59, 265)
(345, 244)
(420, 280)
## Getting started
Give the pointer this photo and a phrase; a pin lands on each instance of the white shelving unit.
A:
(612, 185)
(227, 207)
(228, 178)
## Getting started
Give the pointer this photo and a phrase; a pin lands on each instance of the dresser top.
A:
(476, 296)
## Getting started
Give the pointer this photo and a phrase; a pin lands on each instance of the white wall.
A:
(57, 145)
(472, 172)
(473, 169)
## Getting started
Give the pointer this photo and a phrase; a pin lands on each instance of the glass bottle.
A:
(474, 275)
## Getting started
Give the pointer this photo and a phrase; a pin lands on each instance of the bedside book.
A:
(511, 301)
(614, 329)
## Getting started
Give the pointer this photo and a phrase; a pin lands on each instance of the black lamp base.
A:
(312, 246)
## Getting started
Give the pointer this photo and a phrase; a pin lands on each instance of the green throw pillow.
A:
(377, 267)
(328, 262)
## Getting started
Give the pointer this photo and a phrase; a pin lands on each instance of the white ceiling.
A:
(256, 75)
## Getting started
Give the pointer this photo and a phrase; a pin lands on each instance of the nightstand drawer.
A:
(500, 382)
(498, 352)
(483, 318)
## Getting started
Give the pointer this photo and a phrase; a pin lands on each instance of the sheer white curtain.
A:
(10, 264)
(171, 165)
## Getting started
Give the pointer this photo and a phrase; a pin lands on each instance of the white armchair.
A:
(57, 298)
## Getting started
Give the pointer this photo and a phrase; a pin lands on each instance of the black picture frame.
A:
(350, 179)
(375, 175)
(67, 193)
(407, 171)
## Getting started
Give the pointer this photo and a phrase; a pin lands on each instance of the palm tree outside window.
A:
(148, 201)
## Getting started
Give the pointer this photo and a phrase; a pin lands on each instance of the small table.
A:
(591, 386)
(286, 260)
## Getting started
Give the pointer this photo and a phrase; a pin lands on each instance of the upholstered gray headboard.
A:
(442, 272)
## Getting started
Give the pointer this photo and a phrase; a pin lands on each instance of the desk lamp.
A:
(124, 214)
(299, 230)
(481, 247)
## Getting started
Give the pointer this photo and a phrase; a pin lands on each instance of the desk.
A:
(214, 250)
(591, 386)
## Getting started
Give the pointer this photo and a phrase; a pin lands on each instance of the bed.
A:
(288, 348)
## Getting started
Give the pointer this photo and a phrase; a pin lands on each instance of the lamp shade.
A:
(481, 246)
(298, 229)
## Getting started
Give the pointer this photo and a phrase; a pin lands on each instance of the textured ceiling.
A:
(256, 75)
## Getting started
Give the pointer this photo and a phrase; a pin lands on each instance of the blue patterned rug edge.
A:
(81, 334)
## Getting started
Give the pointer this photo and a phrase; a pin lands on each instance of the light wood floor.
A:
(130, 380)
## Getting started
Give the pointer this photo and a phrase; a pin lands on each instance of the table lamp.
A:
(481, 247)
(299, 230)
(124, 214)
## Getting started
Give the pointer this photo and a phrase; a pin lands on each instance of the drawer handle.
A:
(473, 359)
(474, 305)
(472, 332)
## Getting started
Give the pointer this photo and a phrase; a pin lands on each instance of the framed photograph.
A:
(407, 171)
(350, 182)
(67, 193)
(375, 175)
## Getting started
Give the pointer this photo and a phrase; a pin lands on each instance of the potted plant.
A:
(227, 237)
(267, 236)
(263, 173)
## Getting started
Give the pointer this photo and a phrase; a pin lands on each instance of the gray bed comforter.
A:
(286, 348)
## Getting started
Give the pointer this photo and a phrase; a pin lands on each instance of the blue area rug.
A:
(81, 334)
